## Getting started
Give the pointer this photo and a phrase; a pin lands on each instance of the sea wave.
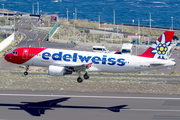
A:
(161, 6)
(159, 2)
(55, 1)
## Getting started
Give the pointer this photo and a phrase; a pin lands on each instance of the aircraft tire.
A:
(79, 80)
(86, 76)
(25, 73)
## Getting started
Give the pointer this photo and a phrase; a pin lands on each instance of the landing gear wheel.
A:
(27, 68)
(25, 73)
(79, 80)
(86, 76)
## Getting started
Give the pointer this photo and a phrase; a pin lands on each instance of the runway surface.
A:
(21, 105)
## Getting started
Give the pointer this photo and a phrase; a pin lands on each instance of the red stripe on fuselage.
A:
(23, 55)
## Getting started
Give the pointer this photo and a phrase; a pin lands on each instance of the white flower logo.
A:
(160, 48)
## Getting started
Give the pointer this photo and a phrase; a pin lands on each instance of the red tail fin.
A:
(161, 47)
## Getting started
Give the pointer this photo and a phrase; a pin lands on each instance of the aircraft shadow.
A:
(39, 108)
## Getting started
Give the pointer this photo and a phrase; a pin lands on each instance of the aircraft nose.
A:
(8, 57)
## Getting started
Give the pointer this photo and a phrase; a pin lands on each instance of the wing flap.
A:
(65, 64)
(93, 69)
(76, 66)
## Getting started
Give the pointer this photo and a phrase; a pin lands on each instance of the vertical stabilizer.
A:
(161, 48)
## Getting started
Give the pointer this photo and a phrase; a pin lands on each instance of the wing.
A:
(79, 66)
(65, 64)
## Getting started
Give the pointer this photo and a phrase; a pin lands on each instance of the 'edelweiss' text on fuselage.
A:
(73, 58)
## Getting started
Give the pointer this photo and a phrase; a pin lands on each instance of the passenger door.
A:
(25, 54)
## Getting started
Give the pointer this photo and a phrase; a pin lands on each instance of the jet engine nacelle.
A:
(58, 71)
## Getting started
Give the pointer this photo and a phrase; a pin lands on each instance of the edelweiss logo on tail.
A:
(161, 48)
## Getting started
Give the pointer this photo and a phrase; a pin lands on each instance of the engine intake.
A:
(58, 71)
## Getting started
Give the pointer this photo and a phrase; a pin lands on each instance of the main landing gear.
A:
(86, 76)
(80, 79)
(27, 68)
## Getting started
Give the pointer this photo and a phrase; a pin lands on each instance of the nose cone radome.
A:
(8, 57)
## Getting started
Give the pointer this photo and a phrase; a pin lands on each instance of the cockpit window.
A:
(14, 52)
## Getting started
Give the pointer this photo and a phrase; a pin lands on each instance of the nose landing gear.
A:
(26, 72)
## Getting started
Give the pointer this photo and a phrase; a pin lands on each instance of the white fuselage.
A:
(101, 62)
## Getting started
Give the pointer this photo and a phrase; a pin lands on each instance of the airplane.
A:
(62, 62)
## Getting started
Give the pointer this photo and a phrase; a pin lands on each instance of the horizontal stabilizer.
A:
(172, 59)
(158, 63)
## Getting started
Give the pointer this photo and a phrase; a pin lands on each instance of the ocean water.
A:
(164, 13)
